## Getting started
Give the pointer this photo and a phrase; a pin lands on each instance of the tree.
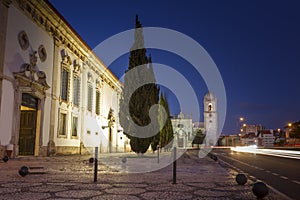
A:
(295, 132)
(165, 136)
(140, 100)
(199, 138)
(166, 133)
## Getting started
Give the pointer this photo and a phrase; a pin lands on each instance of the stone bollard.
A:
(241, 179)
(5, 158)
(260, 190)
(24, 171)
(91, 160)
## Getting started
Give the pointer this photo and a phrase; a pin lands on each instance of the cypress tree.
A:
(141, 99)
(166, 134)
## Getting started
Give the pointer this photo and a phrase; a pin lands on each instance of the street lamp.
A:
(238, 123)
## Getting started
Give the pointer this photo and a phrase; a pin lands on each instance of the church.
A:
(56, 95)
(185, 130)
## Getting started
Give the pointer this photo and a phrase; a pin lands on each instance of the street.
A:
(280, 173)
(71, 177)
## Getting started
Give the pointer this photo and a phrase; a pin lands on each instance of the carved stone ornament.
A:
(90, 77)
(29, 74)
(42, 53)
(23, 40)
(76, 68)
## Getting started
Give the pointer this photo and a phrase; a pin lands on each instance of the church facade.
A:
(56, 95)
(185, 129)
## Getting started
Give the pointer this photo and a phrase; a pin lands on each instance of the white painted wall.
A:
(14, 58)
(6, 115)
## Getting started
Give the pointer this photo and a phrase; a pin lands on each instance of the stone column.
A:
(54, 97)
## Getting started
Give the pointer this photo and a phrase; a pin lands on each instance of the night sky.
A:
(255, 45)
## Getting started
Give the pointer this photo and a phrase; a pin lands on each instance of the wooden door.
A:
(27, 132)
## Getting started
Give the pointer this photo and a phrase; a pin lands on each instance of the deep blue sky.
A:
(255, 45)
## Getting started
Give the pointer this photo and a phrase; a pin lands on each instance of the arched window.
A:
(210, 107)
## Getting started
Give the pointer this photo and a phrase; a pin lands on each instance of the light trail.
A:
(271, 152)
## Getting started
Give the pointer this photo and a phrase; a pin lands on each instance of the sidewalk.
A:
(71, 177)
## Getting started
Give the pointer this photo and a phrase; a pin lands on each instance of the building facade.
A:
(183, 130)
(56, 95)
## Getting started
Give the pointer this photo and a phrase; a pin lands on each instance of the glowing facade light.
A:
(244, 125)
(289, 124)
(241, 119)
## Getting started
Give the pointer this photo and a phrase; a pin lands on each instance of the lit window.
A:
(74, 126)
(90, 98)
(62, 124)
(97, 102)
(76, 88)
(64, 84)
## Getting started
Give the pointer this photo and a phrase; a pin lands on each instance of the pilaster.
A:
(54, 96)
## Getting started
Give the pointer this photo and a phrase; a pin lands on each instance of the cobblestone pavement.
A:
(71, 177)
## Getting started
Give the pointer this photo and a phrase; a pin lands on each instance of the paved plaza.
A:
(71, 177)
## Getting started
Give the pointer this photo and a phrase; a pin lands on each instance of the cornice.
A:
(49, 19)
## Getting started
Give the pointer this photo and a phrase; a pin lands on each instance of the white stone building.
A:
(185, 129)
(56, 96)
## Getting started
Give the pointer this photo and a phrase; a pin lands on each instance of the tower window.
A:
(209, 107)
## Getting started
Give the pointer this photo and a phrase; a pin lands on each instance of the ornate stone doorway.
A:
(30, 93)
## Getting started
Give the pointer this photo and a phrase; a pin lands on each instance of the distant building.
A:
(230, 140)
(288, 129)
(267, 138)
(249, 139)
(183, 129)
(249, 128)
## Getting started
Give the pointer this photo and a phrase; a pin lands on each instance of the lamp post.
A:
(239, 129)
(288, 130)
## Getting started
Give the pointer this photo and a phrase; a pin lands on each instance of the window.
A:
(210, 107)
(74, 126)
(62, 124)
(64, 84)
(76, 93)
(88, 132)
(90, 98)
(97, 102)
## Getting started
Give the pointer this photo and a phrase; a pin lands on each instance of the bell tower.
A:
(210, 119)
